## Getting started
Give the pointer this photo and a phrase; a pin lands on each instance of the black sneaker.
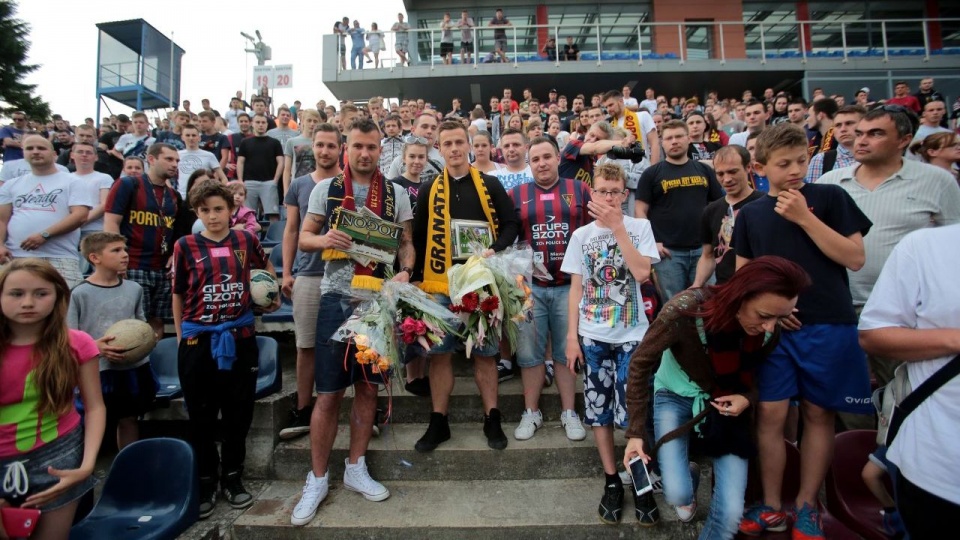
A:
(208, 497)
(419, 387)
(548, 374)
(611, 505)
(496, 438)
(646, 509)
(234, 492)
(437, 432)
(299, 423)
(504, 372)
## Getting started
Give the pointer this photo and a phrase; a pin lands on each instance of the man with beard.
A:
(844, 131)
(303, 289)
(361, 185)
(144, 209)
(424, 132)
(731, 164)
(233, 144)
(820, 126)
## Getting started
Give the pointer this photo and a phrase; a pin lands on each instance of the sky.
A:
(63, 39)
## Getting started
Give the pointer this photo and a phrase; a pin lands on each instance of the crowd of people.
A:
(703, 267)
(363, 42)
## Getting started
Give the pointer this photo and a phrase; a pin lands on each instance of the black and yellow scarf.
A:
(380, 199)
(439, 257)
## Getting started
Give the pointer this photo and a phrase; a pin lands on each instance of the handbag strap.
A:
(921, 393)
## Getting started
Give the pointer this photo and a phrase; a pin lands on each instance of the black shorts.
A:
(466, 46)
(446, 48)
(128, 393)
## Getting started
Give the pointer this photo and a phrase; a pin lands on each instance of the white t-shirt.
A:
(19, 167)
(511, 179)
(611, 308)
(40, 202)
(917, 289)
(650, 105)
(97, 182)
(631, 103)
(191, 160)
(132, 145)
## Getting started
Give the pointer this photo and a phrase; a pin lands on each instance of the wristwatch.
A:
(406, 269)
(45, 235)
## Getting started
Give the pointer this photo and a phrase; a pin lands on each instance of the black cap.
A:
(552, 91)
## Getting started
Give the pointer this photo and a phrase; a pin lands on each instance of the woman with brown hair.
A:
(708, 342)
(940, 150)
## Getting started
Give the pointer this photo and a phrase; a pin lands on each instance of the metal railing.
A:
(618, 42)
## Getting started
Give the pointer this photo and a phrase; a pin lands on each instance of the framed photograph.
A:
(374, 240)
(470, 238)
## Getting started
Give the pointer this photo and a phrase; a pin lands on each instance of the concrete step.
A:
(465, 402)
(466, 456)
(514, 509)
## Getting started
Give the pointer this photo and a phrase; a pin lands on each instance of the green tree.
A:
(14, 44)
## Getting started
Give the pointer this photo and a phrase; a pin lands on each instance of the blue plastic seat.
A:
(588, 56)
(276, 258)
(163, 360)
(274, 234)
(269, 380)
(151, 493)
(670, 56)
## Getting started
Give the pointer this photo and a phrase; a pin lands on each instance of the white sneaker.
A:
(686, 513)
(314, 492)
(573, 427)
(529, 423)
(356, 478)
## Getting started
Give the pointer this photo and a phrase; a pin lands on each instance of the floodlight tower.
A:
(261, 50)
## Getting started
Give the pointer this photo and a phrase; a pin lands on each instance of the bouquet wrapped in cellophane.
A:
(491, 296)
(371, 329)
(418, 318)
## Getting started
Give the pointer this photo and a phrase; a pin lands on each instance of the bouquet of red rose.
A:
(490, 297)
(419, 319)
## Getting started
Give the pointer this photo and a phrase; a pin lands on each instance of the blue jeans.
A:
(549, 322)
(678, 271)
(356, 58)
(730, 472)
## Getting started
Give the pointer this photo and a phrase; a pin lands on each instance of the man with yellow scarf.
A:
(336, 368)
(460, 192)
(639, 123)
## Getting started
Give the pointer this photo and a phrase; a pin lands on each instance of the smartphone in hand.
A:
(641, 477)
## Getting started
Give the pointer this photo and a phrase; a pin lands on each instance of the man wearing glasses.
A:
(673, 194)
(12, 137)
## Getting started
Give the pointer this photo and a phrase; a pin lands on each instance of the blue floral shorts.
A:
(605, 381)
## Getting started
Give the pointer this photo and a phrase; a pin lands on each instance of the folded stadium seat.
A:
(151, 493)
(670, 56)
(653, 56)
(608, 56)
(276, 258)
(588, 56)
(916, 52)
(836, 54)
(951, 50)
(163, 361)
(274, 234)
(790, 54)
(635, 55)
(269, 378)
(621, 56)
(857, 53)
(264, 225)
(848, 497)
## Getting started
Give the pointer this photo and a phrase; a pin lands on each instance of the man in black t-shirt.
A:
(673, 194)
(731, 164)
(259, 167)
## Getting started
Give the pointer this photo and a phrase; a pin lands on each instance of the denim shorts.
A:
(452, 343)
(549, 323)
(64, 453)
(606, 366)
(335, 366)
(821, 363)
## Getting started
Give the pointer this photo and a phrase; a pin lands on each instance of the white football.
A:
(264, 288)
(135, 337)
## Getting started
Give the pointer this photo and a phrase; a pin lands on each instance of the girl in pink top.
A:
(46, 456)
(243, 217)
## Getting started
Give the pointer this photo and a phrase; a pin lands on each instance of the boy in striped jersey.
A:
(218, 353)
